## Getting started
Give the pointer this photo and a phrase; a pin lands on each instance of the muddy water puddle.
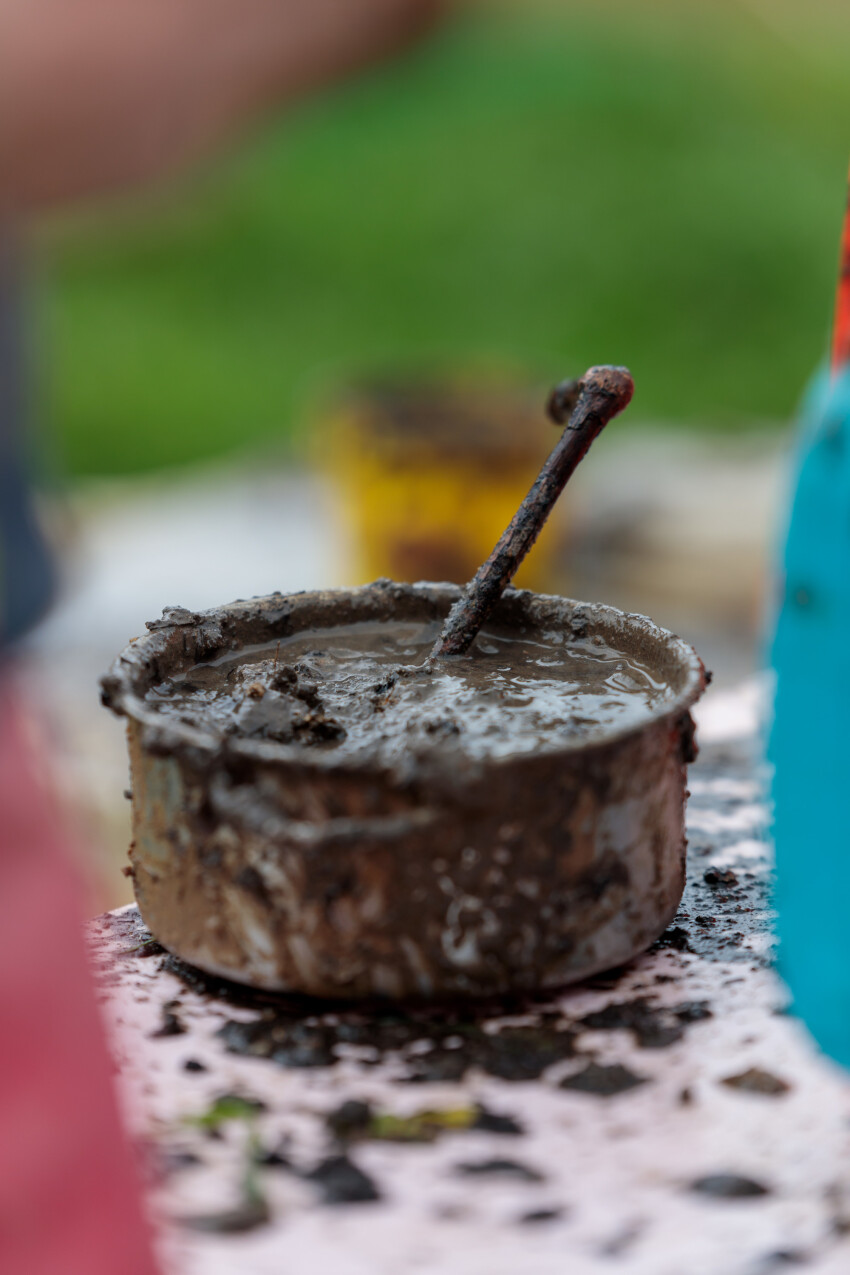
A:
(368, 692)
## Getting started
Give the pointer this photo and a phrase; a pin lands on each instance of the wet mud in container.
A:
(338, 873)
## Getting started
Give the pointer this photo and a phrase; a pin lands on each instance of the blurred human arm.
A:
(96, 95)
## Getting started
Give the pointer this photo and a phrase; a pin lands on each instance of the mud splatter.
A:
(342, 1182)
(653, 1027)
(431, 1051)
(720, 876)
(675, 938)
(729, 1186)
(171, 1024)
(355, 1120)
(537, 1216)
(604, 1081)
(755, 1080)
(498, 1169)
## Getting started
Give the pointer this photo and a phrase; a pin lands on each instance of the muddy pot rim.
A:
(182, 638)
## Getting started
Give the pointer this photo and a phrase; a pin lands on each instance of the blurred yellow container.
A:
(429, 477)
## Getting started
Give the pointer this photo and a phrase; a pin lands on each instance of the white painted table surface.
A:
(615, 1190)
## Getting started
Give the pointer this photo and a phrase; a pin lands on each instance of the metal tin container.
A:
(259, 862)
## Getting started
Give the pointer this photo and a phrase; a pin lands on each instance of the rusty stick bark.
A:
(590, 404)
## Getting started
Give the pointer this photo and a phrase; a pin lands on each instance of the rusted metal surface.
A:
(289, 871)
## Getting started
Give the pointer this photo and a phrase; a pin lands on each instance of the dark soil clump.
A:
(605, 1082)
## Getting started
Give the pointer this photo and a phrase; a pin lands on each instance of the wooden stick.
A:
(590, 403)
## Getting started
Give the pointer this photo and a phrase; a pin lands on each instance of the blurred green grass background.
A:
(541, 187)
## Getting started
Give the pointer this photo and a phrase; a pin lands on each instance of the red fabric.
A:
(841, 325)
(69, 1199)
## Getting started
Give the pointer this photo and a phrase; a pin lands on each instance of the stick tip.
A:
(616, 382)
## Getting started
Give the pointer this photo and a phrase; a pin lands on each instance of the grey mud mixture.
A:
(368, 692)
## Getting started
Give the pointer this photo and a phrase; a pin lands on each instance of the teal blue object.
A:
(810, 739)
